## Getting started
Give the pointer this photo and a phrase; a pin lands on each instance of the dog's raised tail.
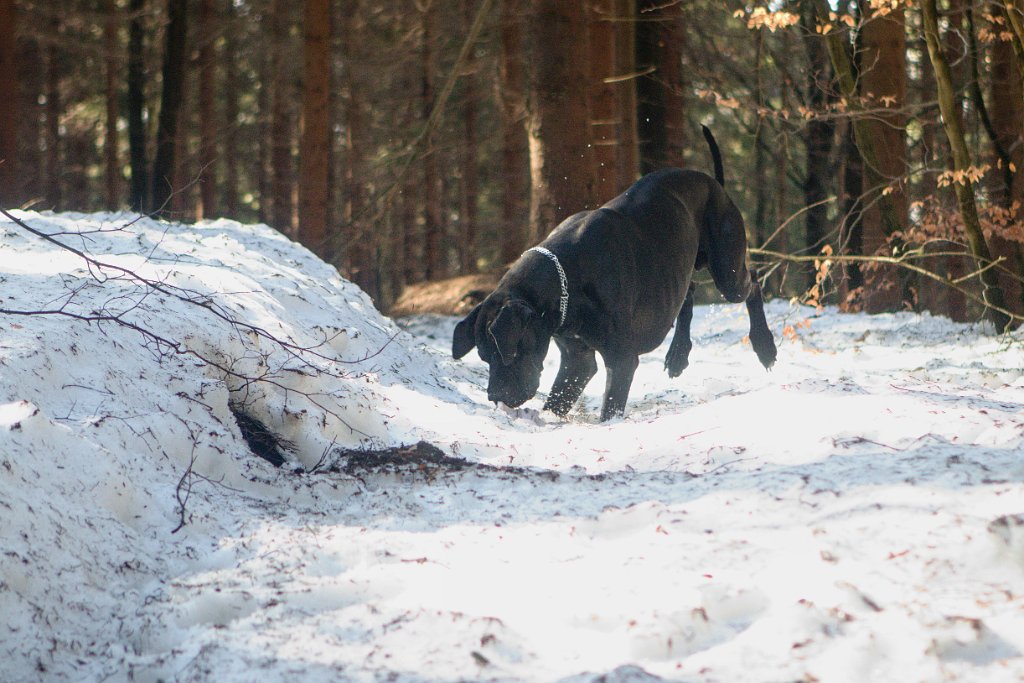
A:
(716, 156)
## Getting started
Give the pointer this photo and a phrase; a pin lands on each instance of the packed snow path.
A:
(856, 514)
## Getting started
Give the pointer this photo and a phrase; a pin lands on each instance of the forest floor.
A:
(856, 514)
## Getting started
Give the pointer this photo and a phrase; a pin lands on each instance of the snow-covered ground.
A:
(857, 514)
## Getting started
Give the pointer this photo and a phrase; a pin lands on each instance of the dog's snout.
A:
(511, 393)
(509, 398)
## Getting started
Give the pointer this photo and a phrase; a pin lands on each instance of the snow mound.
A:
(853, 515)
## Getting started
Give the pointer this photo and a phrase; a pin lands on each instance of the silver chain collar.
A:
(563, 302)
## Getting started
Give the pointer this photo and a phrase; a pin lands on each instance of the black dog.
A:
(613, 280)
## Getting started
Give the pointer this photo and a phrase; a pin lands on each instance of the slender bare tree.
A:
(962, 165)
(315, 140)
(170, 104)
(111, 62)
(229, 187)
(281, 129)
(207, 114)
(54, 109)
(468, 158)
(9, 85)
(138, 196)
(434, 256)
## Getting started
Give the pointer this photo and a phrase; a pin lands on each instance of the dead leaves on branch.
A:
(762, 17)
(778, 19)
(881, 8)
(933, 222)
(822, 269)
(998, 31)
(964, 176)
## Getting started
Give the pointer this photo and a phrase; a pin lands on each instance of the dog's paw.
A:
(676, 362)
(766, 353)
(764, 347)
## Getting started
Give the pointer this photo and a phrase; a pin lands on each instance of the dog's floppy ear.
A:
(507, 329)
(464, 338)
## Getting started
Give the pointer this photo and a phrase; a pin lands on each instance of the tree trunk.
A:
(604, 102)
(10, 195)
(883, 83)
(31, 76)
(170, 104)
(207, 114)
(433, 190)
(847, 81)
(561, 161)
(1014, 16)
(851, 230)
(934, 150)
(231, 110)
(138, 197)
(851, 181)
(470, 174)
(515, 164)
(1007, 98)
(54, 108)
(818, 136)
(411, 261)
(315, 143)
(111, 166)
(977, 98)
(761, 160)
(183, 200)
(628, 158)
(782, 188)
(412, 231)
(266, 137)
(661, 107)
(361, 240)
(281, 172)
(992, 293)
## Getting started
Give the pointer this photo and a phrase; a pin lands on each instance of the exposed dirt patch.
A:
(454, 296)
(424, 458)
(421, 456)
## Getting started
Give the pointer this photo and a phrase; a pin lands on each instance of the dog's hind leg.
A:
(724, 240)
(736, 282)
(577, 368)
(760, 336)
(678, 356)
(620, 369)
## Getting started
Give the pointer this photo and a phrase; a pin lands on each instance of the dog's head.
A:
(512, 340)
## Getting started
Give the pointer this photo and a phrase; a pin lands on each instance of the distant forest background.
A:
(874, 146)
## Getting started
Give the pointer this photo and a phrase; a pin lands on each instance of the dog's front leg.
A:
(678, 356)
(620, 369)
(577, 368)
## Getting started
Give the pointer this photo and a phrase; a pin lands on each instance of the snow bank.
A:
(854, 515)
